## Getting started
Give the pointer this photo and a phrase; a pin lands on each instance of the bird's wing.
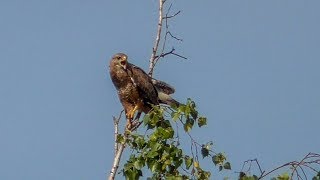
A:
(144, 84)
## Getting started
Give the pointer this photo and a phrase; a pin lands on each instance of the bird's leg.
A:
(130, 116)
(129, 124)
(137, 116)
(133, 111)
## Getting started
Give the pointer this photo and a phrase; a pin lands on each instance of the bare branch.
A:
(116, 161)
(168, 17)
(116, 131)
(170, 52)
(154, 57)
(307, 161)
(118, 148)
(174, 37)
(158, 36)
(250, 161)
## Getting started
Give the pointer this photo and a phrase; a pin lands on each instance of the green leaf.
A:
(202, 121)
(187, 110)
(166, 133)
(175, 116)
(284, 176)
(165, 155)
(317, 177)
(227, 165)
(155, 146)
(146, 119)
(182, 108)
(140, 142)
(188, 161)
(133, 174)
(187, 127)
(155, 167)
(152, 154)
(192, 104)
(194, 114)
(255, 177)
(153, 137)
(120, 139)
(174, 178)
(150, 163)
(242, 175)
(138, 164)
(167, 162)
(218, 159)
(204, 151)
(201, 174)
(178, 162)
(166, 124)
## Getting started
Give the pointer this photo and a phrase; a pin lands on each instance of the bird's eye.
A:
(118, 57)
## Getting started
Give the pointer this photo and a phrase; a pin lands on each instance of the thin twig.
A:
(250, 161)
(264, 175)
(170, 52)
(306, 161)
(174, 37)
(298, 165)
(156, 56)
(168, 17)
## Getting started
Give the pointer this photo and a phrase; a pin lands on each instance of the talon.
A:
(132, 112)
(134, 123)
(129, 124)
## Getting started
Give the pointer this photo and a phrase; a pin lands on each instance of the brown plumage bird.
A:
(137, 91)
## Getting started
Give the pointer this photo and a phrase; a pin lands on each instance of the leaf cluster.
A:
(159, 151)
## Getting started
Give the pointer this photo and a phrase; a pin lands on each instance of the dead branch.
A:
(118, 148)
(155, 56)
(298, 167)
(116, 161)
(116, 131)
(250, 161)
(170, 52)
(158, 36)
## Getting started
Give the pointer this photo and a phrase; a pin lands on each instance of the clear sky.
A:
(252, 68)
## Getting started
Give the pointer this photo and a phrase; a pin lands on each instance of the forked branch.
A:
(157, 53)
(298, 168)
(118, 147)
(152, 61)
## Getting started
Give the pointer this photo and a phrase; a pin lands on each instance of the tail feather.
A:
(167, 99)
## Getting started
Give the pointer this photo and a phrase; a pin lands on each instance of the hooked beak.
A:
(123, 63)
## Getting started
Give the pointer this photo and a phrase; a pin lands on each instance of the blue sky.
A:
(252, 68)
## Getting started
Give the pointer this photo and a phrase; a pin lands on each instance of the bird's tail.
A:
(167, 99)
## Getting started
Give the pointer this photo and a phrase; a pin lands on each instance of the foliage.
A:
(316, 177)
(159, 150)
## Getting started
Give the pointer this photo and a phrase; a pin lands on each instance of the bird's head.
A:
(121, 59)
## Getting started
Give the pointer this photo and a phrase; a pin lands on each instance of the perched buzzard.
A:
(137, 91)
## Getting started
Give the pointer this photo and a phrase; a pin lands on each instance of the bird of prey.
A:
(137, 91)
